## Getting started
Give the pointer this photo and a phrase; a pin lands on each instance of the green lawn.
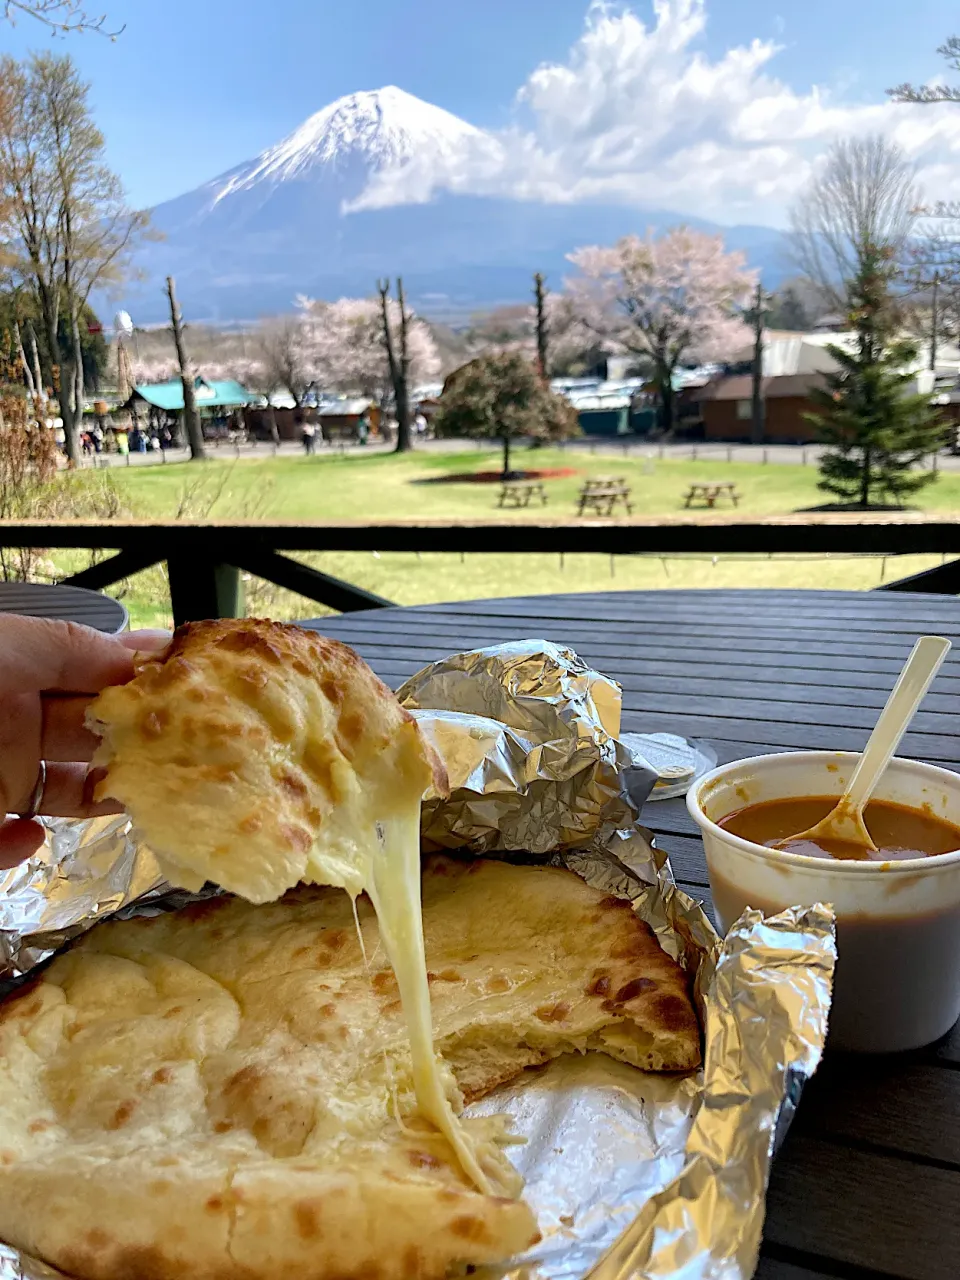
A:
(384, 487)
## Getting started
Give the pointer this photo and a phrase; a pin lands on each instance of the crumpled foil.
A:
(529, 737)
(632, 1175)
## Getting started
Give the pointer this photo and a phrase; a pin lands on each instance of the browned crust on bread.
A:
(278, 647)
(236, 748)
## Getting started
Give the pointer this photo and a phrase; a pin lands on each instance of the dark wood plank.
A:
(788, 725)
(772, 735)
(686, 857)
(708, 695)
(759, 737)
(776, 1264)
(863, 1186)
(64, 603)
(945, 1051)
(888, 1103)
(622, 609)
(640, 637)
(875, 675)
(799, 609)
(870, 1210)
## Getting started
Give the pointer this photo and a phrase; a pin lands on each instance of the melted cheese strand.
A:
(395, 893)
(358, 858)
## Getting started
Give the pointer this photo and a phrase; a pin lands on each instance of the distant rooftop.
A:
(224, 394)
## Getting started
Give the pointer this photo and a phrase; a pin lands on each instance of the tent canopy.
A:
(227, 394)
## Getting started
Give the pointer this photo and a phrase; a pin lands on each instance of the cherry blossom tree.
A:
(669, 299)
(147, 371)
(345, 350)
(284, 357)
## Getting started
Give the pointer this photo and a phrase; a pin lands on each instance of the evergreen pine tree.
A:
(875, 431)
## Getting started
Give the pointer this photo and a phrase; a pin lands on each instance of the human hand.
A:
(50, 672)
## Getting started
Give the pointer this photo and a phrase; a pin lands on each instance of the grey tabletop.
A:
(69, 604)
(867, 1185)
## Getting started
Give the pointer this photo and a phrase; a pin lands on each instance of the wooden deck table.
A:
(867, 1185)
(69, 604)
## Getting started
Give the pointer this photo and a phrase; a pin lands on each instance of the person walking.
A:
(308, 433)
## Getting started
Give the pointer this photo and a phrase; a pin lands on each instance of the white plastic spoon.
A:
(844, 823)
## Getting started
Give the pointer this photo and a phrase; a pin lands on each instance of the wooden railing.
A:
(205, 560)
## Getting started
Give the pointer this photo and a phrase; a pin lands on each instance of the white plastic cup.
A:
(897, 983)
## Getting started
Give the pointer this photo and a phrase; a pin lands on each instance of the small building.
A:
(168, 396)
(340, 420)
(221, 405)
(726, 407)
(603, 415)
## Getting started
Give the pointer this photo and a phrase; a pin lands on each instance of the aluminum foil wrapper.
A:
(528, 734)
(631, 1174)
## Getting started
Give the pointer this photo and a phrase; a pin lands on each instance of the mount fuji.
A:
(312, 215)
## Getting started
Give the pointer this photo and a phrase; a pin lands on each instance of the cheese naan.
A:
(257, 754)
(225, 1092)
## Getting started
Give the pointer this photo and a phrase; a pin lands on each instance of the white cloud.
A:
(638, 114)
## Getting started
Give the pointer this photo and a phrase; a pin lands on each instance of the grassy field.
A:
(384, 487)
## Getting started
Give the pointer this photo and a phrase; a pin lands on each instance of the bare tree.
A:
(863, 198)
(191, 416)
(933, 92)
(67, 226)
(398, 357)
(61, 16)
(543, 334)
(944, 210)
(284, 357)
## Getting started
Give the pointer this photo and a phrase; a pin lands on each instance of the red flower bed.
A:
(494, 477)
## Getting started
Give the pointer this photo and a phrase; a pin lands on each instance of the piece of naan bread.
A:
(224, 1092)
(256, 754)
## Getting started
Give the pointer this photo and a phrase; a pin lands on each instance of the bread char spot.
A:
(635, 987)
(350, 729)
(599, 985)
(122, 1115)
(298, 838)
(469, 1227)
(412, 1262)
(306, 1215)
(553, 1012)
(293, 785)
(423, 1160)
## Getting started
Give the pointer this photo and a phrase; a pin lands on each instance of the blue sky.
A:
(193, 87)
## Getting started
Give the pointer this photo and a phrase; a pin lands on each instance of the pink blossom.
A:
(345, 348)
(674, 298)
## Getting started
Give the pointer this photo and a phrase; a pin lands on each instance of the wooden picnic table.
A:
(518, 493)
(710, 492)
(69, 604)
(602, 493)
(867, 1184)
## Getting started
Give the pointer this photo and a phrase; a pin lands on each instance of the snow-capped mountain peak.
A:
(380, 128)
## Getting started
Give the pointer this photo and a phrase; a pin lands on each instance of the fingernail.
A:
(150, 640)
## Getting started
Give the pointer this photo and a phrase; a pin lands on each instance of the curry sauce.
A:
(898, 832)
